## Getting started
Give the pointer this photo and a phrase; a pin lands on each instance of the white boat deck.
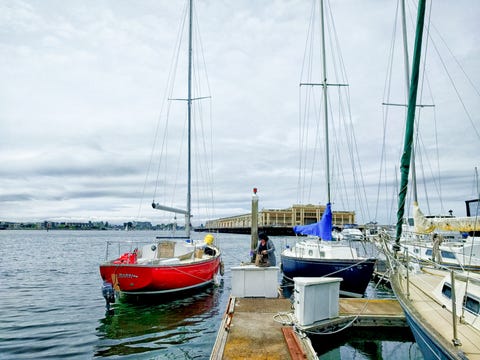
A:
(435, 317)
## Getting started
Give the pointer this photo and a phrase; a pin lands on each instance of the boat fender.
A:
(222, 268)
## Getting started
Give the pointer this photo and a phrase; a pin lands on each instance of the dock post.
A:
(254, 226)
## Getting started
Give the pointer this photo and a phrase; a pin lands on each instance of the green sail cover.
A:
(412, 103)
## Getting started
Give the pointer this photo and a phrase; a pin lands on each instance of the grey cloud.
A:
(82, 84)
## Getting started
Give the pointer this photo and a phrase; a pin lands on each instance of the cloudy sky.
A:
(82, 85)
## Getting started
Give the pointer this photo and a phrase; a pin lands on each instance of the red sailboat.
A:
(166, 265)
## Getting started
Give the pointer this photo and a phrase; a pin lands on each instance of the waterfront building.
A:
(280, 218)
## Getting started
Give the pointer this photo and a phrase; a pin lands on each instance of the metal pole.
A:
(325, 103)
(189, 101)
(254, 227)
(408, 272)
(455, 340)
(407, 77)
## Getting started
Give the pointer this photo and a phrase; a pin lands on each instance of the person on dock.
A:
(266, 249)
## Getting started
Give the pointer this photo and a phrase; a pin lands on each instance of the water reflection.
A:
(367, 343)
(137, 327)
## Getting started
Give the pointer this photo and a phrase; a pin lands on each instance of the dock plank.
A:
(294, 346)
(384, 307)
(253, 333)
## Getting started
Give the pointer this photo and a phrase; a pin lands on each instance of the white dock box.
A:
(254, 281)
(316, 298)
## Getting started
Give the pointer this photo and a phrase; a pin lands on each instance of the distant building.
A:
(141, 225)
(286, 218)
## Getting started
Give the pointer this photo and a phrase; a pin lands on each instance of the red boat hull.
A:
(151, 279)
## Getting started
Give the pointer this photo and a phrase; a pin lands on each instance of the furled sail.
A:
(322, 228)
(426, 225)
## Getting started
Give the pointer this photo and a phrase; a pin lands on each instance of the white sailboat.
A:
(442, 305)
(443, 239)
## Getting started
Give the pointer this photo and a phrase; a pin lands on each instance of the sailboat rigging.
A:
(441, 304)
(317, 257)
(188, 211)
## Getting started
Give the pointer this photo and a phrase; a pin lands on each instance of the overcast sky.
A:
(82, 85)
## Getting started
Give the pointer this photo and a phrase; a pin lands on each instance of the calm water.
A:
(51, 306)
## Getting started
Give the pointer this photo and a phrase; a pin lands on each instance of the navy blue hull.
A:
(356, 276)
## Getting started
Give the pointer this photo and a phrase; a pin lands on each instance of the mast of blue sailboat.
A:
(412, 102)
(326, 221)
(327, 213)
(325, 103)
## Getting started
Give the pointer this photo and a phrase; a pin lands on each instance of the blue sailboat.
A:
(317, 255)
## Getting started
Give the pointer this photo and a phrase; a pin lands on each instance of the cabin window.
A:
(447, 290)
(472, 305)
(310, 252)
(445, 254)
(448, 255)
(416, 251)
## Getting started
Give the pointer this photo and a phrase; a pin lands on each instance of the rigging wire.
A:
(457, 92)
(170, 84)
(385, 115)
(310, 134)
(204, 164)
(304, 125)
(456, 60)
(165, 107)
(165, 176)
(344, 101)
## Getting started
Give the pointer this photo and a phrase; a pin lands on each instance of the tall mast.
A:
(188, 211)
(412, 102)
(405, 48)
(325, 102)
(189, 101)
(324, 84)
(407, 82)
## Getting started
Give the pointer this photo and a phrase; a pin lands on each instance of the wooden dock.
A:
(249, 331)
(252, 328)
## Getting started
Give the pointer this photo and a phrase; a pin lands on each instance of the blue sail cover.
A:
(323, 228)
